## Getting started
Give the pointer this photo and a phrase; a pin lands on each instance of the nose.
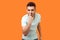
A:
(30, 11)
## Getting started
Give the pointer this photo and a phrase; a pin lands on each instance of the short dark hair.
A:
(31, 4)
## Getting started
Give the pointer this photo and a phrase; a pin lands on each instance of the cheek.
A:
(27, 11)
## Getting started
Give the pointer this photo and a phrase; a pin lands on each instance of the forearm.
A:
(39, 30)
(26, 29)
(40, 37)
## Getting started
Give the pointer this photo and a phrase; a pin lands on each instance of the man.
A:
(30, 22)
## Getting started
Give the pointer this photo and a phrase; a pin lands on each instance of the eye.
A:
(28, 10)
(32, 10)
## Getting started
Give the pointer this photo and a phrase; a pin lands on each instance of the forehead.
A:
(30, 7)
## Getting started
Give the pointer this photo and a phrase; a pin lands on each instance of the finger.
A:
(29, 14)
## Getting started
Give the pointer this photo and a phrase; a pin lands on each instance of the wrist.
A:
(28, 23)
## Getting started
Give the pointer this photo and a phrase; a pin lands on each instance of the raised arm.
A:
(26, 29)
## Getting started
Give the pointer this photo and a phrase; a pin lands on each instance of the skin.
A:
(39, 30)
(31, 13)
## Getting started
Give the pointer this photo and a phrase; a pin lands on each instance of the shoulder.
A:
(24, 17)
(38, 15)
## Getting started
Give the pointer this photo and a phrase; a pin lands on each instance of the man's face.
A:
(31, 10)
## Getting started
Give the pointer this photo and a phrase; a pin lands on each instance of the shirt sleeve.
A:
(23, 22)
(39, 18)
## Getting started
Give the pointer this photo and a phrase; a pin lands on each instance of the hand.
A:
(40, 38)
(30, 19)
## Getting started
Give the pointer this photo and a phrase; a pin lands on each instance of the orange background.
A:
(11, 12)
